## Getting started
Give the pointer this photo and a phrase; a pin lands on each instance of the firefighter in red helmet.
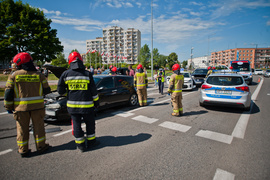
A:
(24, 93)
(175, 88)
(140, 83)
(113, 70)
(81, 99)
(210, 70)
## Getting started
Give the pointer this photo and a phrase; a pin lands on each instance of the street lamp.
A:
(191, 58)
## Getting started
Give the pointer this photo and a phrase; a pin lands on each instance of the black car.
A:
(199, 75)
(112, 90)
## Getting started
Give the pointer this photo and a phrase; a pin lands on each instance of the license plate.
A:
(223, 92)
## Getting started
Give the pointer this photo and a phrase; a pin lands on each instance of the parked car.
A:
(199, 75)
(267, 73)
(112, 90)
(225, 89)
(121, 71)
(258, 72)
(188, 80)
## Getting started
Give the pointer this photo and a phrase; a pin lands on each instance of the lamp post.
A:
(152, 76)
(191, 64)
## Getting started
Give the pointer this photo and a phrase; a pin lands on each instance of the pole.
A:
(191, 59)
(152, 75)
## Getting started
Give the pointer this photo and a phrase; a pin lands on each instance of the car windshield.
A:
(241, 66)
(258, 70)
(225, 80)
(268, 70)
(96, 79)
(186, 75)
(200, 71)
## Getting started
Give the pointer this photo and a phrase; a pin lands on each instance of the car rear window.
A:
(225, 80)
(201, 71)
(186, 75)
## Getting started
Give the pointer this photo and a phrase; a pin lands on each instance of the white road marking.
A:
(223, 175)
(240, 127)
(150, 94)
(175, 126)
(224, 138)
(5, 151)
(123, 114)
(145, 119)
(3, 113)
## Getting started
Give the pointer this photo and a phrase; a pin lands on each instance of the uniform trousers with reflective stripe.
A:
(22, 120)
(89, 120)
(142, 96)
(177, 103)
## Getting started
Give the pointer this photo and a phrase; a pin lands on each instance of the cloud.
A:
(70, 44)
(57, 13)
(195, 3)
(139, 4)
(225, 8)
(268, 23)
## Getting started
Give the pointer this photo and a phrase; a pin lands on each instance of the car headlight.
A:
(53, 106)
(192, 77)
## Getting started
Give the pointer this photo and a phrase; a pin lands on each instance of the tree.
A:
(144, 55)
(172, 59)
(60, 60)
(185, 63)
(25, 29)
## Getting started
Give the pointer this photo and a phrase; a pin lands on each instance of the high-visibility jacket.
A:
(24, 90)
(140, 80)
(162, 77)
(176, 83)
(81, 90)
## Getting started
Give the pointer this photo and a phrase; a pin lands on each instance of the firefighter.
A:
(140, 83)
(82, 99)
(24, 93)
(175, 88)
(113, 71)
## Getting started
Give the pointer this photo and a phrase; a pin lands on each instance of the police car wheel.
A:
(201, 104)
(133, 100)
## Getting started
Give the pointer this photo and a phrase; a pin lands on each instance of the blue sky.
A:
(179, 25)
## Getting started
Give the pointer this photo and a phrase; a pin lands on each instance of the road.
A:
(148, 143)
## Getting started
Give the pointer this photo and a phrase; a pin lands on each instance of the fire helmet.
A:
(111, 66)
(139, 66)
(22, 58)
(176, 67)
(213, 68)
(74, 56)
(114, 69)
(209, 68)
(231, 67)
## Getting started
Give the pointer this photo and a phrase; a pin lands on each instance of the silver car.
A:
(267, 73)
(225, 89)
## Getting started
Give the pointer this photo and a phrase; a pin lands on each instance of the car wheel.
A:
(201, 104)
(133, 100)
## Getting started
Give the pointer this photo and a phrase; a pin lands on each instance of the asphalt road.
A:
(148, 143)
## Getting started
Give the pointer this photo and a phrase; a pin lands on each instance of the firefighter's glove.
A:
(96, 104)
(10, 111)
(169, 91)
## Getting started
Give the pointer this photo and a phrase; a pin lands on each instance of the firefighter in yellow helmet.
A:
(24, 93)
(175, 88)
(140, 83)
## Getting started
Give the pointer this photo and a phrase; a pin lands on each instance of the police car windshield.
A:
(241, 67)
(224, 80)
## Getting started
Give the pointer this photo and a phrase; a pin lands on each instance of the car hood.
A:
(57, 71)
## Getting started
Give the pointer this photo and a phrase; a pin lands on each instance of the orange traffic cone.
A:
(259, 80)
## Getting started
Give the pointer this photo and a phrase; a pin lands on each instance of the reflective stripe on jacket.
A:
(140, 80)
(24, 90)
(81, 90)
(176, 83)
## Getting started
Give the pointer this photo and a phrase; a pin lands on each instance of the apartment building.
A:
(258, 57)
(117, 45)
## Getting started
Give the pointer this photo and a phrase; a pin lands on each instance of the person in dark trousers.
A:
(82, 98)
(161, 79)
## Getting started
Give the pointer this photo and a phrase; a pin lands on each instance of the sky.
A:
(178, 25)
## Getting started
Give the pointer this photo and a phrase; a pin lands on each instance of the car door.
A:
(122, 88)
(107, 91)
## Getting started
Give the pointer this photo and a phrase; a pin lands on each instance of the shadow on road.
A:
(195, 113)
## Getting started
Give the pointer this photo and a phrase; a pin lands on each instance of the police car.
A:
(225, 89)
